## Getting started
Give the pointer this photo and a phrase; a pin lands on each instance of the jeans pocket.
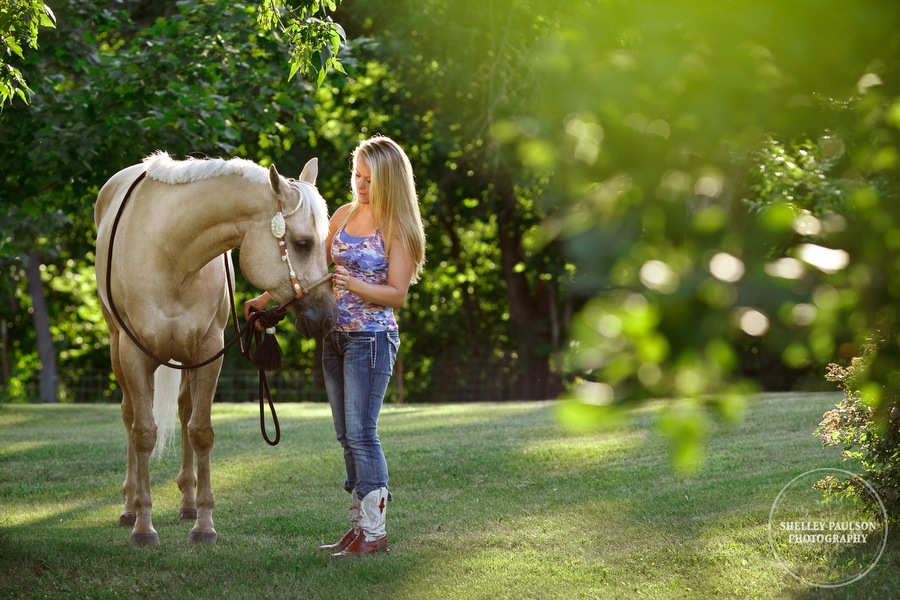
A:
(393, 346)
(364, 347)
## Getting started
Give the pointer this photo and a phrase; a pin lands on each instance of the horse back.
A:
(113, 191)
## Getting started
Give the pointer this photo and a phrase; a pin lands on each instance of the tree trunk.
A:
(4, 361)
(533, 336)
(471, 310)
(41, 316)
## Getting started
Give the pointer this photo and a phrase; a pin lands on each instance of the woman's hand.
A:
(258, 303)
(342, 279)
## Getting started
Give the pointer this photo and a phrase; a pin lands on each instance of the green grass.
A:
(490, 501)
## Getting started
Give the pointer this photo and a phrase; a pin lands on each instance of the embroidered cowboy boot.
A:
(353, 532)
(372, 537)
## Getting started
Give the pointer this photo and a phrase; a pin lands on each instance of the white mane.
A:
(313, 205)
(162, 167)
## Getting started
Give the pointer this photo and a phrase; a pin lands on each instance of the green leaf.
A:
(295, 66)
(48, 19)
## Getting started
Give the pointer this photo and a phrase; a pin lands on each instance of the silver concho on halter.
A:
(278, 225)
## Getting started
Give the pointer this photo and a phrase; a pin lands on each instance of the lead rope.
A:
(245, 336)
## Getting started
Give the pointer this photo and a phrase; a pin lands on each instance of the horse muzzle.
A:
(316, 314)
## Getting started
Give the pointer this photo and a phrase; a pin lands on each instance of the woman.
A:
(377, 243)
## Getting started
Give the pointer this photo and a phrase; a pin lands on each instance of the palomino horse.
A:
(168, 286)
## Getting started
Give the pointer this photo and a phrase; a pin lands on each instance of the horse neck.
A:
(203, 219)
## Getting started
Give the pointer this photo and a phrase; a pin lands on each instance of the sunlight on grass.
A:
(12, 448)
(490, 500)
(428, 416)
(9, 418)
(63, 514)
(588, 550)
(567, 455)
(224, 412)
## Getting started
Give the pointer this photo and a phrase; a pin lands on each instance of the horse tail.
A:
(165, 407)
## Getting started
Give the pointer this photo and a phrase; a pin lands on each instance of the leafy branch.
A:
(19, 24)
(314, 37)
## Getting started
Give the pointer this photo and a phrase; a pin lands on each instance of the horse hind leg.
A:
(187, 478)
(128, 516)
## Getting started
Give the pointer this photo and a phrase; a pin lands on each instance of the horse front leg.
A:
(187, 479)
(202, 437)
(128, 516)
(143, 439)
(137, 387)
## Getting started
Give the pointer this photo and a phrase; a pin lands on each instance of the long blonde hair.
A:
(392, 196)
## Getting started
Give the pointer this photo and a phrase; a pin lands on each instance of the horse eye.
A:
(303, 245)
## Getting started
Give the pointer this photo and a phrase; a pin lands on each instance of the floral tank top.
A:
(364, 258)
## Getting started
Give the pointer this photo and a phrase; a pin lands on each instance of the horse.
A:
(168, 289)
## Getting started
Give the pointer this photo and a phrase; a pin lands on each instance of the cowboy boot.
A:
(353, 532)
(372, 537)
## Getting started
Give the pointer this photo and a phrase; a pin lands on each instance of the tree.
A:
(190, 81)
(490, 301)
(315, 40)
(19, 24)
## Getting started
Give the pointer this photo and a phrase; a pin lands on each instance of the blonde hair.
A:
(392, 196)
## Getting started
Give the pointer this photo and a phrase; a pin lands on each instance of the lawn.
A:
(490, 501)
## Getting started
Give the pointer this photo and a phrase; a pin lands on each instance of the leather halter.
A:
(279, 230)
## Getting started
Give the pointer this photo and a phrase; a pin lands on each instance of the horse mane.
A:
(312, 204)
(162, 167)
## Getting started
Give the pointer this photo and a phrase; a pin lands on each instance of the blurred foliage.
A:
(662, 122)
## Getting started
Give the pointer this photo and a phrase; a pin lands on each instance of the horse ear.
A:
(310, 171)
(274, 179)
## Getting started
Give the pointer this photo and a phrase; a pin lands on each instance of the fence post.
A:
(4, 365)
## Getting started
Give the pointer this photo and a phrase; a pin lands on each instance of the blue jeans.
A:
(358, 366)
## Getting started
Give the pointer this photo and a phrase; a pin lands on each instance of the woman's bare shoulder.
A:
(338, 217)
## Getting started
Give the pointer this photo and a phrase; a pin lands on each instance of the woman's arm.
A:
(401, 267)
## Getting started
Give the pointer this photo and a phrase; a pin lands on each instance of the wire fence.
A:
(449, 380)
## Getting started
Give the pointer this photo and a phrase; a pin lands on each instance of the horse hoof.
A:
(127, 519)
(145, 538)
(203, 537)
(187, 514)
